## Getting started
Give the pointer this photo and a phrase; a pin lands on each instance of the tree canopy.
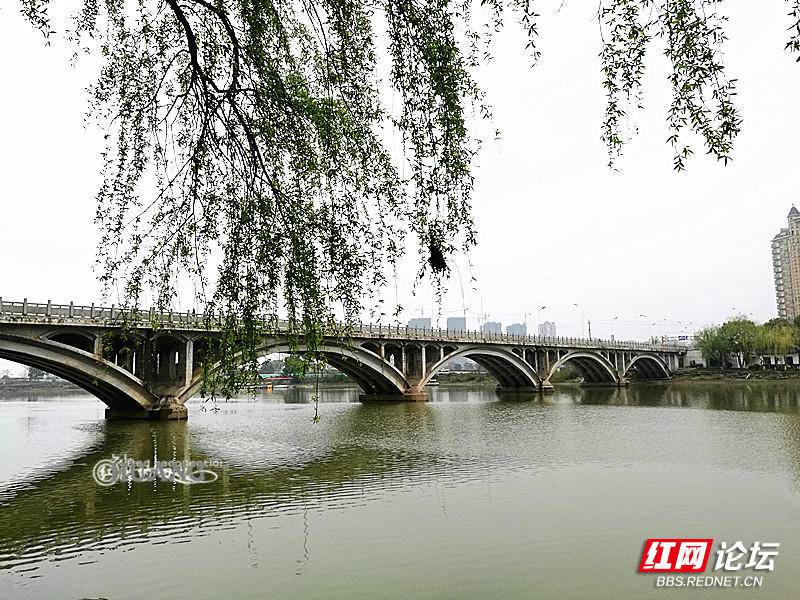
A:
(246, 140)
(744, 339)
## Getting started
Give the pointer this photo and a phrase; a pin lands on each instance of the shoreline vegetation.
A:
(23, 384)
(462, 379)
(728, 375)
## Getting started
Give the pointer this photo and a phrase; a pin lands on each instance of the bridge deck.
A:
(113, 316)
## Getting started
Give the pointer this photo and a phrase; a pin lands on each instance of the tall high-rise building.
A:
(456, 323)
(786, 266)
(547, 329)
(492, 327)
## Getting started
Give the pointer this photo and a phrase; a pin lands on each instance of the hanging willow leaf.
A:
(702, 97)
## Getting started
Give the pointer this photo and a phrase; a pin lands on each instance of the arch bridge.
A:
(153, 370)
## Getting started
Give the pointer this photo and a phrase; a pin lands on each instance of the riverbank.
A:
(470, 378)
(680, 376)
(735, 375)
(13, 385)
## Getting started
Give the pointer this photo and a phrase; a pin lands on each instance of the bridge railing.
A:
(423, 334)
(30, 311)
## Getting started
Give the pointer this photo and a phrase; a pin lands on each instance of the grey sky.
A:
(555, 226)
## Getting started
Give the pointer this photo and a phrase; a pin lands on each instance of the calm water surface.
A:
(466, 496)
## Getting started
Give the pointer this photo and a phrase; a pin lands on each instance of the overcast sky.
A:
(556, 227)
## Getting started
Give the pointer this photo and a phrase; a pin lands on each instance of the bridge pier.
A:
(621, 382)
(168, 409)
(413, 394)
(518, 390)
(155, 414)
(419, 397)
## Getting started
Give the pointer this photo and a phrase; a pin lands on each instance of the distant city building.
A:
(786, 267)
(456, 323)
(492, 327)
(420, 323)
(517, 329)
(548, 329)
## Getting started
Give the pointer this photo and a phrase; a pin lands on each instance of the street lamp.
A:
(538, 319)
(612, 326)
(655, 323)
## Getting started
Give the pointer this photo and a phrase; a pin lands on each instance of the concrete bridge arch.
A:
(374, 375)
(119, 389)
(649, 366)
(508, 368)
(595, 368)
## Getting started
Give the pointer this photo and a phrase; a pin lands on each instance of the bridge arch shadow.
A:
(648, 366)
(594, 368)
(369, 371)
(508, 368)
(77, 338)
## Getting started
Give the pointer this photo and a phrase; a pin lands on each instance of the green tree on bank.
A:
(270, 366)
(35, 374)
(778, 337)
(714, 346)
(744, 339)
(297, 366)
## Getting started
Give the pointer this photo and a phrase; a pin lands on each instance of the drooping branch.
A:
(625, 28)
(702, 97)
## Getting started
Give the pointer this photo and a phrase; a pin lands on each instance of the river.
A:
(466, 496)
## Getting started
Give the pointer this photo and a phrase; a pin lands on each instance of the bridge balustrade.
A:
(31, 311)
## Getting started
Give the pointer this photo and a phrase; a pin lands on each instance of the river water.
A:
(466, 496)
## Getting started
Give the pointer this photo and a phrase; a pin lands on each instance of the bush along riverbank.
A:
(751, 374)
(23, 384)
(465, 378)
(566, 377)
